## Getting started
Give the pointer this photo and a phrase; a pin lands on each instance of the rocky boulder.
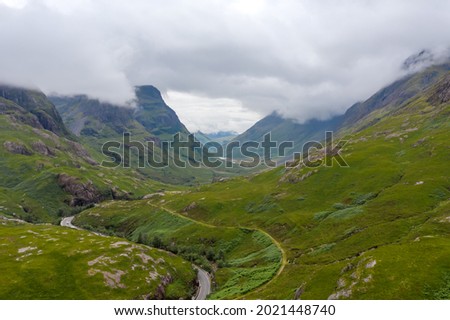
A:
(41, 148)
(17, 148)
(82, 193)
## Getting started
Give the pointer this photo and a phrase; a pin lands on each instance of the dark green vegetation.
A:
(379, 229)
(242, 259)
(49, 262)
(92, 118)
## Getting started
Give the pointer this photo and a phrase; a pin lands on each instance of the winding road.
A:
(204, 284)
(204, 280)
(67, 222)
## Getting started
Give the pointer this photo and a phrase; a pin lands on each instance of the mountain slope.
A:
(33, 107)
(288, 130)
(46, 174)
(50, 262)
(396, 94)
(155, 115)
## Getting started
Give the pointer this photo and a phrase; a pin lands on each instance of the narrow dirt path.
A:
(283, 262)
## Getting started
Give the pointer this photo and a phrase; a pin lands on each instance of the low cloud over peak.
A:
(304, 59)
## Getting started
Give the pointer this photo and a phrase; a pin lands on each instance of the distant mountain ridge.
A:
(222, 137)
(152, 120)
(91, 117)
(390, 97)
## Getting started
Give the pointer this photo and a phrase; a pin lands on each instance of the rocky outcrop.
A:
(17, 148)
(160, 293)
(41, 148)
(294, 176)
(37, 104)
(82, 193)
(442, 92)
(118, 194)
(81, 152)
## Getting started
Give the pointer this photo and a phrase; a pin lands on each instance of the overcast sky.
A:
(221, 64)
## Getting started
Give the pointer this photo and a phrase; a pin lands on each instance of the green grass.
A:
(50, 262)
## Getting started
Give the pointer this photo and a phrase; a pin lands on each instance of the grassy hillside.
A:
(49, 262)
(378, 229)
(241, 259)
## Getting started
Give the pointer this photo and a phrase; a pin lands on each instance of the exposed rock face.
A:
(82, 193)
(118, 194)
(48, 135)
(81, 152)
(42, 148)
(219, 179)
(35, 103)
(160, 293)
(442, 93)
(293, 176)
(17, 148)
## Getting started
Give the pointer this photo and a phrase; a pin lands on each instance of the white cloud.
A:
(18, 4)
(303, 58)
(211, 115)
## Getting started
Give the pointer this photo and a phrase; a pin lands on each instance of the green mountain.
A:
(45, 172)
(91, 118)
(377, 229)
(155, 115)
(282, 130)
(202, 138)
(31, 107)
(151, 120)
